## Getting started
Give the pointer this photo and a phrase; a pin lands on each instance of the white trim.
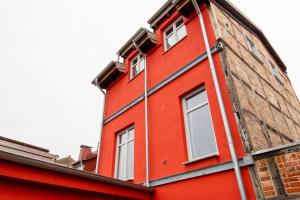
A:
(175, 30)
(118, 145)
(201, 158)
(187, 131)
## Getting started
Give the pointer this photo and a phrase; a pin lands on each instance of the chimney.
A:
(84, 152)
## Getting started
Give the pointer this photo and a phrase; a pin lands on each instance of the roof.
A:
(25, 149)
(109, 74)
(232, 10)
(4, 155)
(23, 144)
(142, 33)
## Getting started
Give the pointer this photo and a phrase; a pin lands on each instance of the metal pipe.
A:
(101, 128)
(221, 105)
(146, 116)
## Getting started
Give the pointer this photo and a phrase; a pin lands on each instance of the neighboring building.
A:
(180, 132)
(26, 150)
(67, 161)
(86, 160)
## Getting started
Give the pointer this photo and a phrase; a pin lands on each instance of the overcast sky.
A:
(50, 50)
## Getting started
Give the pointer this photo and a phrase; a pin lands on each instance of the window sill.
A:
(167, 50)
(256, 57)
(131, 79)
(201, 158)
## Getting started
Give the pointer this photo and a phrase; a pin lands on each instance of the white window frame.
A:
(252, 46)
(175, 29)
(274, 71)
(118, 145)
(139, 58)
(187, 129)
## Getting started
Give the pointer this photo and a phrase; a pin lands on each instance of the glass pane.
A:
(169, 31)
(142, 64)
(201, 132)
(121, 163)
(134, 62)
(122, 138)
(196, 100)
(134, 71)
(130, 160)
(131, 134)
(171, 40)
(179, 23)
(181, 32)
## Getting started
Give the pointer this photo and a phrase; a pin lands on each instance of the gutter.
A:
(221, 105)
(68, 171)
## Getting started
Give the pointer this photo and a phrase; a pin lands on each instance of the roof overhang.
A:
(143, 38)
(109, 74)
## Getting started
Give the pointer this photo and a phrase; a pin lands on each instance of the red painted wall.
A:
(167, 140)
(22, 182)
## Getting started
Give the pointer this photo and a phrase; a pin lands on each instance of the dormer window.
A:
(252, 47)
(274, 71)
(174, 33)
(137, 65)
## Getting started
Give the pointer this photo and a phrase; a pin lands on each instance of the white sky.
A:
(51, 50)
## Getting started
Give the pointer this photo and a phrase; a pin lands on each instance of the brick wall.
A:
(265, 178)
(289, 168)
(269, 110)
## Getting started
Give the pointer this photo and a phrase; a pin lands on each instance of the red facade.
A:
(167, 138)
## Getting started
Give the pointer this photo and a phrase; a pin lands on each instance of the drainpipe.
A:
(221, 105)
(101, 128)
(146, 116)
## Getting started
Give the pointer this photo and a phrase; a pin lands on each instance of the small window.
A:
(174, 33)
(252, 47)
(274, 71)
(137, 66)
(125, 155)
(200, 134)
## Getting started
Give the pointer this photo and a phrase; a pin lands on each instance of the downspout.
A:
(146, 116)
(101, 129)
(221, 105)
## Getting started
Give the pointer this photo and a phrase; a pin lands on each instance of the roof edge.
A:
(235, 12)
(70, 171)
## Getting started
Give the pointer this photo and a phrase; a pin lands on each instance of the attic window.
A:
(274, 71)
(137, 65)
(174, 33)
(252, 47)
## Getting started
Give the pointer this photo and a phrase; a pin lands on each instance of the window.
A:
(174, 33)
(274, 71)
(125, 155)
(252, 47)
(198, 125)
(137, 65)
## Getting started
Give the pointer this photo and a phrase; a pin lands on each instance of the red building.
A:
(200, 108)
(171, 117)
(179, 80)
